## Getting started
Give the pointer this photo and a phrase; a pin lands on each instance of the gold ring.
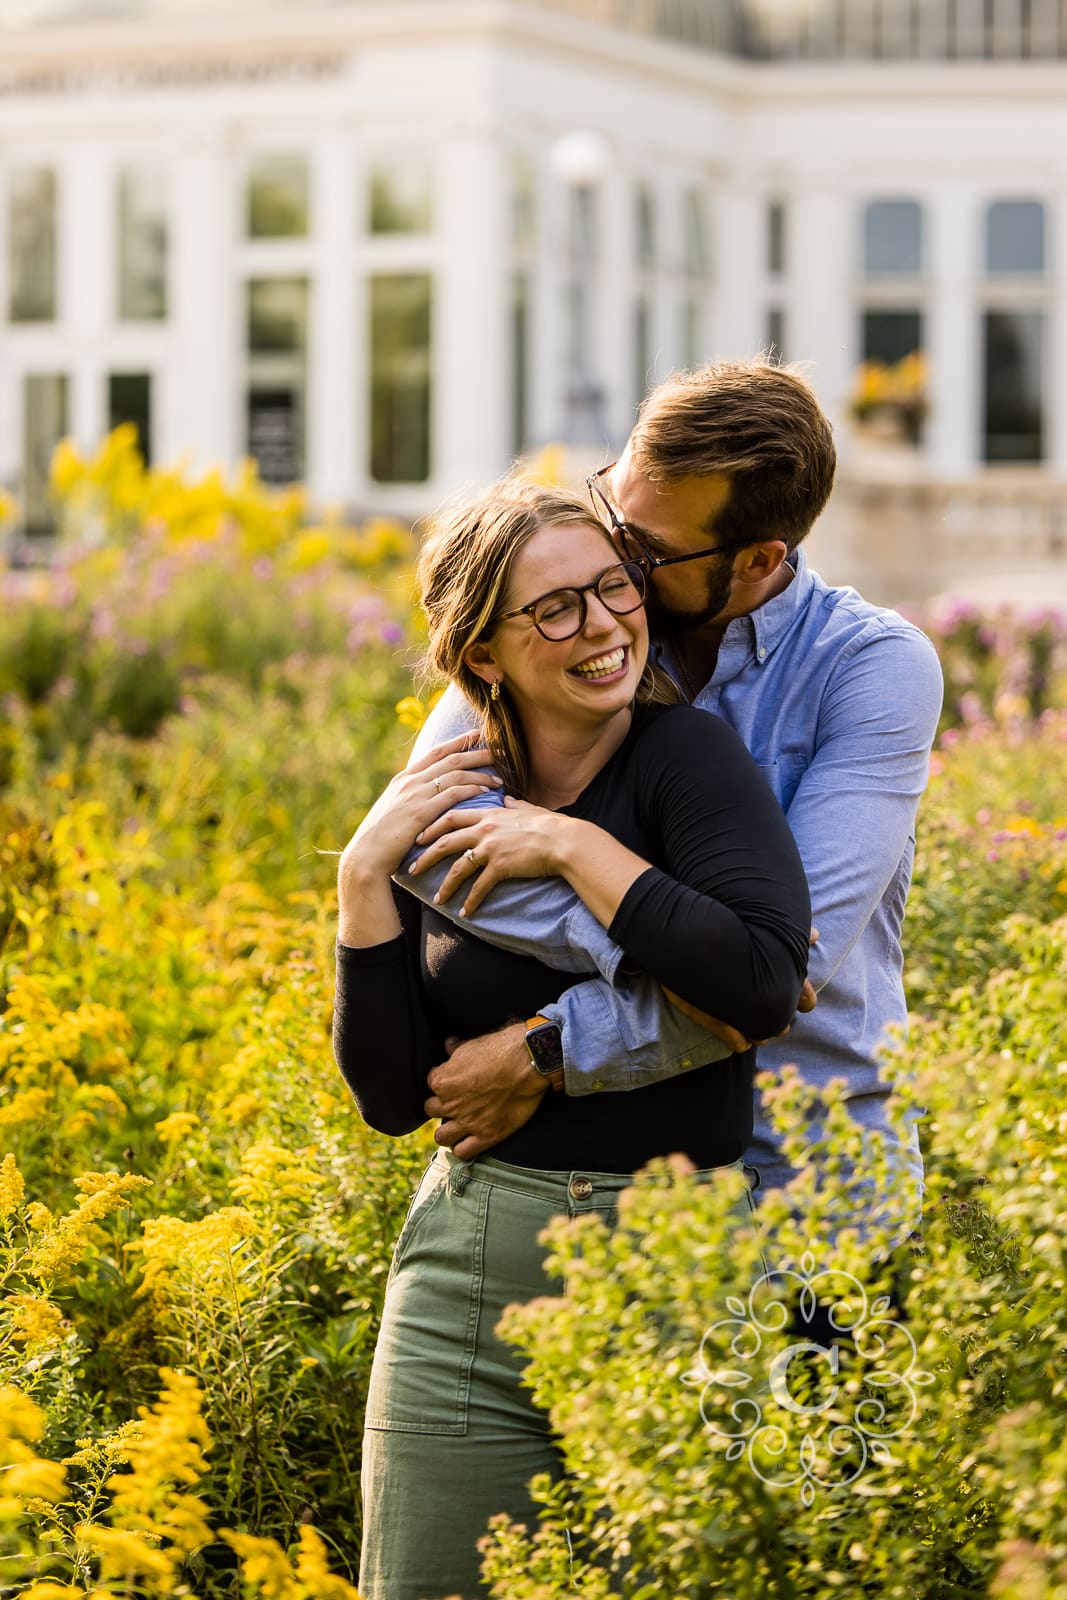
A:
(437, 784)
(471, 857)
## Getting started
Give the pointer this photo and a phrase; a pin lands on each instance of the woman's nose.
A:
(598, 619)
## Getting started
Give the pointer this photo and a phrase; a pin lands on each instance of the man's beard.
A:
(667, 621)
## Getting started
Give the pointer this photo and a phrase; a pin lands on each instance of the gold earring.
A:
(494, 691)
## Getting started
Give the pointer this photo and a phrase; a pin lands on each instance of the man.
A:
(838, 700)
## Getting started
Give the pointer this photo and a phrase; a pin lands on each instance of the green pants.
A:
(451, 1436)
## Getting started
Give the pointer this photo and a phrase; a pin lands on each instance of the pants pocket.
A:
(421, 1373)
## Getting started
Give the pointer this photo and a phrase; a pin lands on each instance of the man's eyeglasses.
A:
(562, 613)
(628, 541)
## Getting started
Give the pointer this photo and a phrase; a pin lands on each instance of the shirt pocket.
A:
(783, 776)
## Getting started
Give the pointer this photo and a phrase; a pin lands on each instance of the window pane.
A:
(696, 234)
(693, 352)
(1014, 386)
(129, 399)
(523, 203)
(44, 399)
(892, 238)
(401, 195)
(776, 333)
(277, 377)
(400, 372)
(278, 197)
(32, 249)
(644, 228)
(277, 314)
(1015, 237)
(889, 336)
(583, 223)
(776, 238)
(142, 245)
(520, 361)
(642, 350)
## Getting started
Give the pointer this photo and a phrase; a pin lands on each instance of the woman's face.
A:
(583, 680)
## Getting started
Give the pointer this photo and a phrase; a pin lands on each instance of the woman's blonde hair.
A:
(463, 571)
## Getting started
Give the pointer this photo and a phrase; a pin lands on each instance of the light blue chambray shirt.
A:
(838, 702)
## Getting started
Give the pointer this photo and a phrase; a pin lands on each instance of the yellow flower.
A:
(125, 1555)
(313, 1570)
(12, 1187)
(65, 1241)
(264, 1565)
(199, 1250)
(46, 1480)
(177, 1126)
(45, 1589)
(35, 1322)
(270, 1173)
(243, 1106)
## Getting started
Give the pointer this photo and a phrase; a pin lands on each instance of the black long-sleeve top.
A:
(721, 917)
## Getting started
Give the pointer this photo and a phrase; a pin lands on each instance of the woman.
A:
(663, 825)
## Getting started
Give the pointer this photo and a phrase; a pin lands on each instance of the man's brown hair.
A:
(759, 425)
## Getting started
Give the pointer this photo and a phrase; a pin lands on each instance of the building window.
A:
(523, 204)
(401, 195)
(1014, 410)
(277, 377)
(278, 204)
(1015, 316)
(142, 245)
(775, 333)
(644, 228)
(693, 352)
(642, 348)
(129, 400)
(32, 245)
(400, 376)
(520, 362)
(776, 240)
(889, 334)
(697, 253)
(892, 239)
(44, 424)
(1015, 238)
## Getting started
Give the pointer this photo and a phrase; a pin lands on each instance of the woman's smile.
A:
(608, 666)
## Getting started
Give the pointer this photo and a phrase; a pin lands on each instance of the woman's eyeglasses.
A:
(627, 540)
(562, 613)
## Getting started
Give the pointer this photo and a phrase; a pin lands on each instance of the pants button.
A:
(581, 1188)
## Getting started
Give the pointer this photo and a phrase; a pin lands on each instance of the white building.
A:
(343, 235)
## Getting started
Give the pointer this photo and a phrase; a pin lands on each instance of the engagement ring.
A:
(471, 857)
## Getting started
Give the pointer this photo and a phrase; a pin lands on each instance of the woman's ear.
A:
(479, 659)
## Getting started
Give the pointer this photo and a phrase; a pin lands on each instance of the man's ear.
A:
(480, 659)
(761, 561)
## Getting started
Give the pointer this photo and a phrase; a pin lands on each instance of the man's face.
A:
(671, 519)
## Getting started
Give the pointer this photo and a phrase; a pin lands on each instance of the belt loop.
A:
(459, 1177)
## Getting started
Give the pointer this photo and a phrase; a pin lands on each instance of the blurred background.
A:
(383, 247)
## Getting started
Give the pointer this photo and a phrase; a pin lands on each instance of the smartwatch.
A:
(544, 1041)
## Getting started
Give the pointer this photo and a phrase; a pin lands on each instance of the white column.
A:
(333, 473)
(205, 382)
(471, 404)
(823, 317)
(953, 332)
(737, 263)
(87, 206)
(546, 323)
(1056, 365)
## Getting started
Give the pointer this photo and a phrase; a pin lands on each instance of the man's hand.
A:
(722, 1030)
(486, 1090)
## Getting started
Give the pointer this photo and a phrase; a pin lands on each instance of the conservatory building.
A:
(388, 245)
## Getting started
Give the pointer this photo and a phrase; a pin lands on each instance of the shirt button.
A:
(762, 652)
(581, 1188)
(686, 1064)
(597, 1083)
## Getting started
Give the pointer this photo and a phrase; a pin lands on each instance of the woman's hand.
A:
(415, 798)
(516, 840)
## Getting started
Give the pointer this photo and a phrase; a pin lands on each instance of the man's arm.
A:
(854, 810)
(619, 1030)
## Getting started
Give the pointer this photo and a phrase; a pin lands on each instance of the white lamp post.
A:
(580, 160)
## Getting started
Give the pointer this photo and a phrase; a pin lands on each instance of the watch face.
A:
(545, 1045)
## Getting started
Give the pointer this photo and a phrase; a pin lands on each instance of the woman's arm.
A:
(725, 926)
